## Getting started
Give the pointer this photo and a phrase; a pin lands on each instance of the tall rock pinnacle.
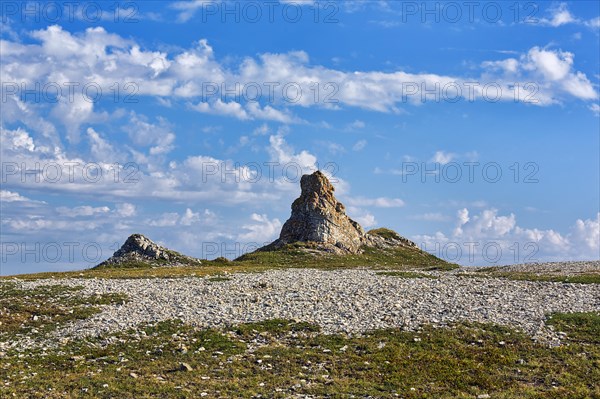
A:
(319, 218)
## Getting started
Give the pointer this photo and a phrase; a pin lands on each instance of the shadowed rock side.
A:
(319, 218)
(140, 249)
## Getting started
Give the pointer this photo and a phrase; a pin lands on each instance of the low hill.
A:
(140, 251)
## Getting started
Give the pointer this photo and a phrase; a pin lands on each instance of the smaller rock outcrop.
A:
(140, 249)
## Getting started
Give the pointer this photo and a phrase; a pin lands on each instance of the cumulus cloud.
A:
(260, 230)
(283, 153)
(158, 136)
(99, 147)
(550, 73)
(197, 77)
(488, 237)
(189, 217)
(195, 178)
(558, 14)
(82, 211)
(10, 196)
(366, 219)
(126, 210)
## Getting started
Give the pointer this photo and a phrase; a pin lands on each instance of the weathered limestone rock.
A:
(319, 218)
(138, 248)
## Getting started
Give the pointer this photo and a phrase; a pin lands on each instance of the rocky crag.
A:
(320, 219)
(139, 249)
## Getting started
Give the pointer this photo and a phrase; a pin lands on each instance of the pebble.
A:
(185, 367)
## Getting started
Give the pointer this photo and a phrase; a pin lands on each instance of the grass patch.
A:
(146, 271)
(385, 233)
(37, 311)
(218, 279)
(297, 255)
(281, 358)
(581, 327)
(300, 255)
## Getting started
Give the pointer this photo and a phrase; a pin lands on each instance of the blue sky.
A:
(472, 131)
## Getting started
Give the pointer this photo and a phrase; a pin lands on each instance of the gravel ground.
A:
(553, 268)
(350, 301)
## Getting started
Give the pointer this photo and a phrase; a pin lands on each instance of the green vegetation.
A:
(301, 255)
(279, 358)
(220, 260)
(37, 311)
(582, 327)
(406, 274)
(217, 279)
(385, 233)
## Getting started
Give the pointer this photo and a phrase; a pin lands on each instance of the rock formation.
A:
(140, 249)
(319, 218)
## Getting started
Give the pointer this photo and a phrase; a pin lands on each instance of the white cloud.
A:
(106, 59)
(189, 218)
(559, 15)
(251, 111)
(17, 139)
(366, 220)
(283, 153)
(595, 108)
(99, 148)
(159, 136)
(332, 147)
(431, 217)
(263, 229)
(85, 210)
(543, 76)
(487, 224)
(357, 124)
(9, 196)
(380, 202)
(262, 130)
(554, 65)
(359, 145)
(271, 114)
(126, 210)
(587, 234)
(488, 237)
(189, 180)
(219, 107)
(187, 9)
(593, 23)
(442, 157)
(168, 219)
